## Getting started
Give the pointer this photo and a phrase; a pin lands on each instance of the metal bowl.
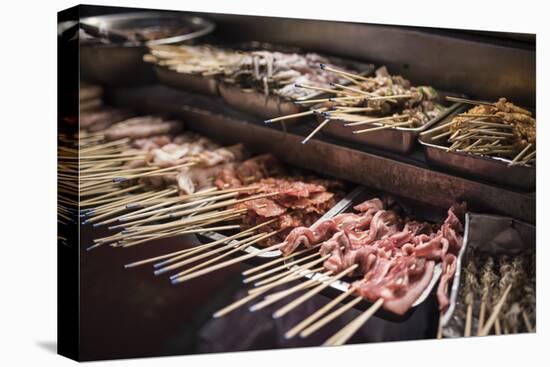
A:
(122, 63)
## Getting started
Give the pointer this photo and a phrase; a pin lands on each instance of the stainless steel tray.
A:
(400, 139)
(342, 286)
(340, 206)
(258, 104)
(484, 167)
(490, 234)
(189, 82)
(122, 64)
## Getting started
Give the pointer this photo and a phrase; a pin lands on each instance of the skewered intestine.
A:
(395, 257)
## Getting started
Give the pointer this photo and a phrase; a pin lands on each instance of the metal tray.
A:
(490, 234)
(400, 139)
(492, 169)
(340, 206)
(122, 64)
(258, 104)
(342, 286)
(190, 82)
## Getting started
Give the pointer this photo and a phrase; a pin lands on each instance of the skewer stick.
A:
(226, 264)
(468, 101)
(319, 127)
(276, 261)
(440, 327)
(233, 306)
(351, 89)
(294, 115)
(262, 284)
(388, 126)
(317, 314)
(348, 331)
(370, 121)
(177, 233)
(438, 128)
(527, 323)
(342, 72)
(139, 175)
(497, 326)
(481, 321)
(180, 252)
(520, 154)
(284, 266)
(243, 245)
(487, 327)
(212, 244)
(182, 213)
(298, 301)
(321, 89)
(190, 260)
(468, 326)
(272, 298)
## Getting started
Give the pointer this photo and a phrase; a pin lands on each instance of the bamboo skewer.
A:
(373, 120)
(487, 327)
(342, 72)
(520, 154)
(225, 264)
(174, 255)
(173, 266)
(261, 283)
(273, 270)
(317, 314)
(316, 130)
(242, 246)
(298, 301)
(233, 306)
(468, 326)
(468, 101)
(348, 331)
(276, 261)
(387, 126)
(212, 244)
(294, 115)
(179, 214)
(272, 298)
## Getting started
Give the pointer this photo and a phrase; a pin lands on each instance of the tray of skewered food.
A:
(494, 287)
(148, 180)
(261, 82)
(492, 141)
(376, 254)
(384, 111)
(112, 46)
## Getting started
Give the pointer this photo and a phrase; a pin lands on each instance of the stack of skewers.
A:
(380, 102)
(498, 130)
(147, 180)
(391, 258)
(498, 295)
(267, 72)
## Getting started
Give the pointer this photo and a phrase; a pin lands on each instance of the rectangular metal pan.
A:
(258, 104)
(341, 206)
(495, 170)
(342, 286)
(490, 234)
(399, 140)
(190, 82)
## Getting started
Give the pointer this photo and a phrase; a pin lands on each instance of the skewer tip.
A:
(119, 179)
(93, 246)
(322, 66)
(96, 225)
(298, 85)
